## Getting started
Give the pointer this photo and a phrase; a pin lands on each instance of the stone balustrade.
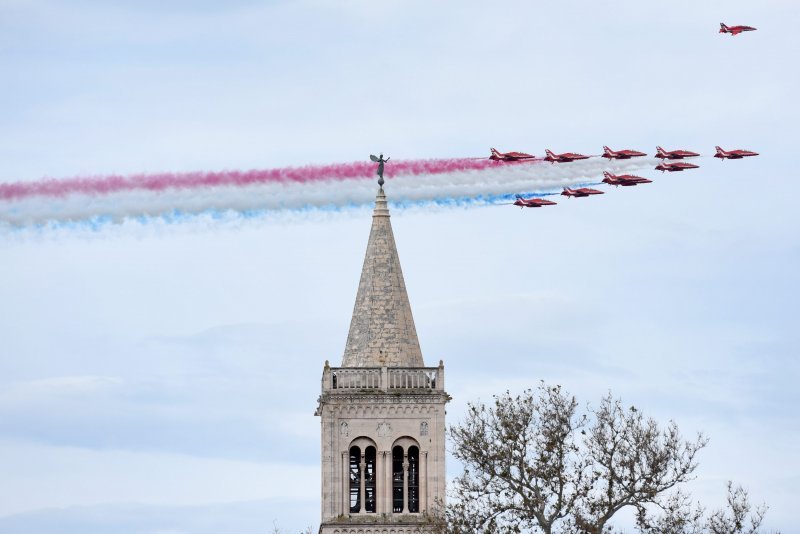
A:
(383, 378)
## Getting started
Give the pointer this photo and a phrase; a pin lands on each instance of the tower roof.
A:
(382, 331)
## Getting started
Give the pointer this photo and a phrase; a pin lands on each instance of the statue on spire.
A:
(380, 161)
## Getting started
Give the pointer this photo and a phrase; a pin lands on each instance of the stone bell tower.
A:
(382, 411)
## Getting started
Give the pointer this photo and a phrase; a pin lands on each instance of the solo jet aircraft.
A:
(624, 180)
(734, 30)
(509, 156)
(532, 202)
(580, 192)
(674, 154)
(733, 154)
(562, 158)
(621, 154)
(675, 166)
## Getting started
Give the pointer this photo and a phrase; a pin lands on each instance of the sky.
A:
(161, 375)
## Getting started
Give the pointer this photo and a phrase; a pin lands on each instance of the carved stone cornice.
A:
(381, 402)
(384, 398)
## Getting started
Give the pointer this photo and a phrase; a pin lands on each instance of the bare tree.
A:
(739, 517)
(680, 516)
(522, 463)
(534, 463)
(632, 462)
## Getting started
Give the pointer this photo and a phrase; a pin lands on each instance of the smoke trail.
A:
(335, 187)
(194, 180)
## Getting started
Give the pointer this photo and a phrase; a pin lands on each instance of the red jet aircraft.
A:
(734, 30)
(621, 154)
(674, 166)
(509, 156)
(624, 179)
(562, 158)
(674, 154)
(532, 202)
(733, 154)
(581, 192)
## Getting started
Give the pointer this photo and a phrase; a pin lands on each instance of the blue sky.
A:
(162, 377)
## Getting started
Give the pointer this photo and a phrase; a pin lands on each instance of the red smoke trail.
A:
(104, 185)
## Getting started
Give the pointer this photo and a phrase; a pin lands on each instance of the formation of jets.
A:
(667, 164)
(667, 157)
(609, 154)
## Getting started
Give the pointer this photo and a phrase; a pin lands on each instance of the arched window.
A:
(355, 480)
(413, 479)
(370, 475)
(363, 476)
(397, 479)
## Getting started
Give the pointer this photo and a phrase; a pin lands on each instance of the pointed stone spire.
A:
(382, 331)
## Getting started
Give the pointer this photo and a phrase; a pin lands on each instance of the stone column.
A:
(345, 501)
(362, 467)
(405, 482)
(423, 481)
(378, 482)
(387, 482)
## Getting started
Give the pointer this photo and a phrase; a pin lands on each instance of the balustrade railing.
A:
(412, 378)
(356, 378)
(383, 378)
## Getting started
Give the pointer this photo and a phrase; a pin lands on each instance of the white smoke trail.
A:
(482, 186)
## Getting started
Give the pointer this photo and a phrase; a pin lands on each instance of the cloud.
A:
(72, 476)
(203, 394)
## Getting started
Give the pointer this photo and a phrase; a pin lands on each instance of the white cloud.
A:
(39, 476)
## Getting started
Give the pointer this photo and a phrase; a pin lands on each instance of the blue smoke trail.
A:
(98, 223)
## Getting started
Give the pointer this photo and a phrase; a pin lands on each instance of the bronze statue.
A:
(380, 161)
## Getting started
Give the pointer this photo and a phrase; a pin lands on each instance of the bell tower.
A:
(382, 412)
